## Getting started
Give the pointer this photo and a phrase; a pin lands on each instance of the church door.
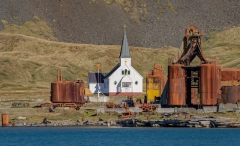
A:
(126, 87)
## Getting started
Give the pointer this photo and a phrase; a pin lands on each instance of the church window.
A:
(126, 84)
(136, 82)
(125, 72)
(115, 82)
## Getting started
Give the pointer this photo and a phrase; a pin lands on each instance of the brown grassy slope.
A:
(36, 28)
(224, 46)
(30, 62)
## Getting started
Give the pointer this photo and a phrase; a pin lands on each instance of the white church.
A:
(122, 80)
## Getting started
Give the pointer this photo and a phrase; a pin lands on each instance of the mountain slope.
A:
(150, 24)
(30, 64)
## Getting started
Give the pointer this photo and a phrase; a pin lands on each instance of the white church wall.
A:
(137, 78)
(117, 78)
(114, 80)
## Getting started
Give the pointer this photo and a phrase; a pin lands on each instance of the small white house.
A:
(122, 80)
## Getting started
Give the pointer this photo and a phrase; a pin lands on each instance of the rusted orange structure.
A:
(193, 85)
(67, 93)
(177, 85)
(5, 120)
(204, 85)
(209, 84)
(230, 82)
(230, 74)
(231, 94)
(155, 82)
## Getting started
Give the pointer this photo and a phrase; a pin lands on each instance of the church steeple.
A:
(125, 53)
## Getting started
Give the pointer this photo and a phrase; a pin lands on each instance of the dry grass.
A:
(36, 28)
(33, 63)
(29, 64)
(224, 46)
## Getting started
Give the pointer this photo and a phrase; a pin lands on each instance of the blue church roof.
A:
(93, 77)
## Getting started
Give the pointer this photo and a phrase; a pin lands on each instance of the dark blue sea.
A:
(92, 136)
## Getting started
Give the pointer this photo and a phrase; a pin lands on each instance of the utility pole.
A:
(98, 67)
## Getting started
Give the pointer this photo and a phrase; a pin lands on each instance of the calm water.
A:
(72, 136)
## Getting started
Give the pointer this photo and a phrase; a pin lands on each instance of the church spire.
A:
(125, 53)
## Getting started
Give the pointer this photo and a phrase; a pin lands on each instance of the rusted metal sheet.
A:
(228, 74)
(56, 91)
(209, 84)
(67, 91)
(79, 92)
(5, 120)
(230, 83)
(155, 82)
(177, 85)
(230, 94)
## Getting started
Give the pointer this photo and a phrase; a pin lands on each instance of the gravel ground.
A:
(80, 21)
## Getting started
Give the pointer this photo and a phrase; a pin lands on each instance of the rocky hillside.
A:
(150, 23)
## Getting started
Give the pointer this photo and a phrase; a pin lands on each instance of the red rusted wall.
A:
(5, 120)
(228, 74)
(177, 85)
(209, 84)
(231, 94)
(56, 95)
(67, 91)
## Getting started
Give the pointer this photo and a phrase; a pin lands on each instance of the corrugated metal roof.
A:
(125, 53)
(93, 77)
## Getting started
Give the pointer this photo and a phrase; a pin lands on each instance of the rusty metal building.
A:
(67, 91)
(206, 84)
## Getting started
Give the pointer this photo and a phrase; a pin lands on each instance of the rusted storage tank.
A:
(57, 90)
(231, 94)
(5, 120)
(177, 85)
(209, 84)
(67, 91)
(81, 92)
